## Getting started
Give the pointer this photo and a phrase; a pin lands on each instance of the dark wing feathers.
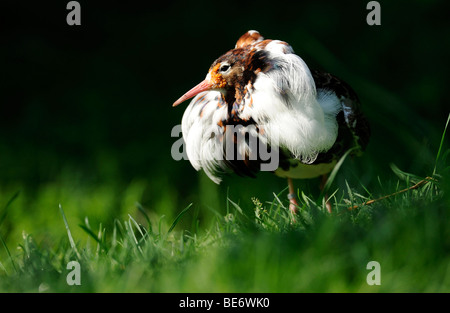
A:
(350, 119)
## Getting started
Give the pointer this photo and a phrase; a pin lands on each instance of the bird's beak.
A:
(203, 86)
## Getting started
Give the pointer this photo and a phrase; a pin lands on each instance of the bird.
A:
(269, 98)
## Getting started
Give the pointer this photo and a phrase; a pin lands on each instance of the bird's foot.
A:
(328, 205)
(293, 204)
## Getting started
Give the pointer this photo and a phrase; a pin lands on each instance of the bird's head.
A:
(230, 69)
(222, 75)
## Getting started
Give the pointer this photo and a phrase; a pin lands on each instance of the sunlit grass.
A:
(251, 249)
(253, 246)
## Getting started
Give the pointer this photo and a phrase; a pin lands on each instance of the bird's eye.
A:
(225, 68)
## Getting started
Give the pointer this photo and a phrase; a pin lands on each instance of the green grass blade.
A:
(147, 218)
(132, 237)
(69, 234)
(404, 175)
(5, 209)
(160, 225)
(8, 253)
(195, 221)
(236, 206)
(335, 170)
(3, 268)
(138, 227)
(441, 145)
(94, 236)
(179, 216)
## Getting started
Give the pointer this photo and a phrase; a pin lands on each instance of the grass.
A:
(254, 246)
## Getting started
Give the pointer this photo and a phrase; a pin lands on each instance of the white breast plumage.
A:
(200, 121)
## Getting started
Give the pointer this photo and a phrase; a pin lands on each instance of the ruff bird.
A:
(268, 97)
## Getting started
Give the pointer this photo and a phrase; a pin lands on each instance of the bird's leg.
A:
(293, 204)
(322, 186)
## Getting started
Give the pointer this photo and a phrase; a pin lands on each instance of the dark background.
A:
(92, 104)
